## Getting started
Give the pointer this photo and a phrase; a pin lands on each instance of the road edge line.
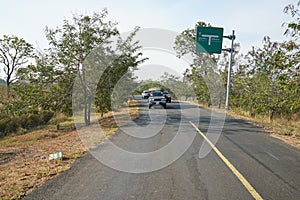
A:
(241, 178)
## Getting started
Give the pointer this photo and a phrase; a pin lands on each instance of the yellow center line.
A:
(241, 178)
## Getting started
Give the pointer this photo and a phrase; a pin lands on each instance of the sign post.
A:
(231, 50)
(209, 40)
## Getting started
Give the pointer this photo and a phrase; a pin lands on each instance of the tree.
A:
(14, 53)
(117, 83)
(178, 87)
(82, 49)
(268, 82)
(43, 86)
(72, 43)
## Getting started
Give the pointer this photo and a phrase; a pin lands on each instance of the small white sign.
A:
(57, 155)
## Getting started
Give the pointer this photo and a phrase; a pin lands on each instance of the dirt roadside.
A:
(23, 167)
(24, 159)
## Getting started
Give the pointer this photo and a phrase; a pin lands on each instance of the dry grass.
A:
(25, 170)
(22, 168)
(133, 108)
(286, 130)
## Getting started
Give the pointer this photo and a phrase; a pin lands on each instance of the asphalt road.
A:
(271, 167)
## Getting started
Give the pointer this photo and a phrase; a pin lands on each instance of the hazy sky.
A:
(251, 20)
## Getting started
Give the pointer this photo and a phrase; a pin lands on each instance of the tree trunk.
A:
(271, 115)
(89, 111)
(85, 95)
(86, 112)
(220, 101)
(85, 108)
(8, 87)
(8, 92)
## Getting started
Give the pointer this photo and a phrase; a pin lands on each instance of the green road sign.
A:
(209, 39)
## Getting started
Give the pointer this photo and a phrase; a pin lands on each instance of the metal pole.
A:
(229, 72)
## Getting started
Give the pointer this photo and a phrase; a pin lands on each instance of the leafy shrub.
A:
(12, 126)
(46, 116)
(3, 124)
(25, 122)
(8, 125)
(32, 121)
(58, 118)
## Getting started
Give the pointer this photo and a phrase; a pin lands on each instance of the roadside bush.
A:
(7, 126)
(31, 121)
(12, 126)
(58, 118)
(46, 116)
(3, 124)
(25, 122)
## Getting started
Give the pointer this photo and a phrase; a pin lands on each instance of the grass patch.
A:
(22, 167)
(133, 106)
(278, 125)
(26, 169)
(281, 128)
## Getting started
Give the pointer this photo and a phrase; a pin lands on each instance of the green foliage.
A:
(48, 84)
(179, 88)
(14, 53)
(293, 27)
(150, 84)
(74, 51)
(46, 116)
(268, 83)
(185, 41)
(116, 67)
(70, 45)
(27, 121)
(7, 126)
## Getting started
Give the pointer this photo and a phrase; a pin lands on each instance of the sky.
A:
(251, 20)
